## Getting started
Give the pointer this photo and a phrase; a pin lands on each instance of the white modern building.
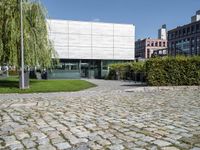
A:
(86, 48)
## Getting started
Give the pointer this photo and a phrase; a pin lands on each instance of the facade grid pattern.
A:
(90, 40)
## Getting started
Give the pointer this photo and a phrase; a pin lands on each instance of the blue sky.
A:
(147, 15)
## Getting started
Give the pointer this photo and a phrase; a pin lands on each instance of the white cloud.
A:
(96, 20)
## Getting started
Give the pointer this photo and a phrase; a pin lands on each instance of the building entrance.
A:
(90, 69)
(84, 70)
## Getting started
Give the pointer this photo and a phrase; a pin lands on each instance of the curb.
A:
(162, 88)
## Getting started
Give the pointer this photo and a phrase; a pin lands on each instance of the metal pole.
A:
(22, 47)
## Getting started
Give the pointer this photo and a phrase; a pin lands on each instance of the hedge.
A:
(160, 71)
(178, 70)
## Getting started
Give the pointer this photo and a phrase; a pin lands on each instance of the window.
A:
(152, 43)
(198, 40)
(164, 44)
(176, 34)
(183, 31)
(193, 51)
(188, 30)
(180, 33)
(148, 43)
(192, 41)
(156, 43)
(148, 53)
(172, 45)
(160, 44)
(197, 27)
(192, 29)
(170, 36)
(198, 45)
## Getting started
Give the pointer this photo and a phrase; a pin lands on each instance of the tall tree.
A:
(38, 49)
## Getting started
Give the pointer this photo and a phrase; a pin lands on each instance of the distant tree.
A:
(38, 49)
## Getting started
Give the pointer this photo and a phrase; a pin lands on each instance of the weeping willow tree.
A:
(38, 50)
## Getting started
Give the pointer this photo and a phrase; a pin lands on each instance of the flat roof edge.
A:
(91, 22)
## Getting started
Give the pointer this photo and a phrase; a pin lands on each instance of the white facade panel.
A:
(76, 27)
(102, 41)
(124, 30)
(62, 52)
(57, 26)
(123, 54)
(90, 40)
(102, 29)
(74, 39)
(59, 39)
(80, 53)
(85, 40)
(102, 53)
(85, 28)
(123, 42)
(79, 40)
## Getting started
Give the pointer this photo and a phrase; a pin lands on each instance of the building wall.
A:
(146, 47)
(92, 40)
(154, 44)
(196, 17)
(185, 40)
(140, 46)
(162, 34)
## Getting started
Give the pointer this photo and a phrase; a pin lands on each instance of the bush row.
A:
(173, 71)
(159, 71)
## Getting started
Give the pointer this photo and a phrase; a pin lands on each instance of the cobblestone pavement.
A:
(104, 117)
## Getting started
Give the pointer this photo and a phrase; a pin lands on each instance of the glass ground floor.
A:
(81, 68)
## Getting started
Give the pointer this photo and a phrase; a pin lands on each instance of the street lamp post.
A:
(22, 47)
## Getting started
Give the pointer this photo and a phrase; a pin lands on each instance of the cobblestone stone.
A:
(22, 135)
(170, 148)
(62, 146)
(16, 146)
(196, 148)
(161, 143)
(104, 117)
(29, 143)
(46, 146)
(116, 147)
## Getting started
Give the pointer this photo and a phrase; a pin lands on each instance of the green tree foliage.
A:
(125, 70)
(138, 67)
(118, 71)
(38, 50)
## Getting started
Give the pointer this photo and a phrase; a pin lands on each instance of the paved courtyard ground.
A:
(104, 117)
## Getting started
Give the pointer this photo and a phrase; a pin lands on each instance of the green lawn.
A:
(11, 84)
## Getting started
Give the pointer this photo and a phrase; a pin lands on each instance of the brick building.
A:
(146, 47)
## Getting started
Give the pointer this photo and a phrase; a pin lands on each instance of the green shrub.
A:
(138, 66)
(173, 71)
(124, 71)
(118, 71)
(159, 71)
